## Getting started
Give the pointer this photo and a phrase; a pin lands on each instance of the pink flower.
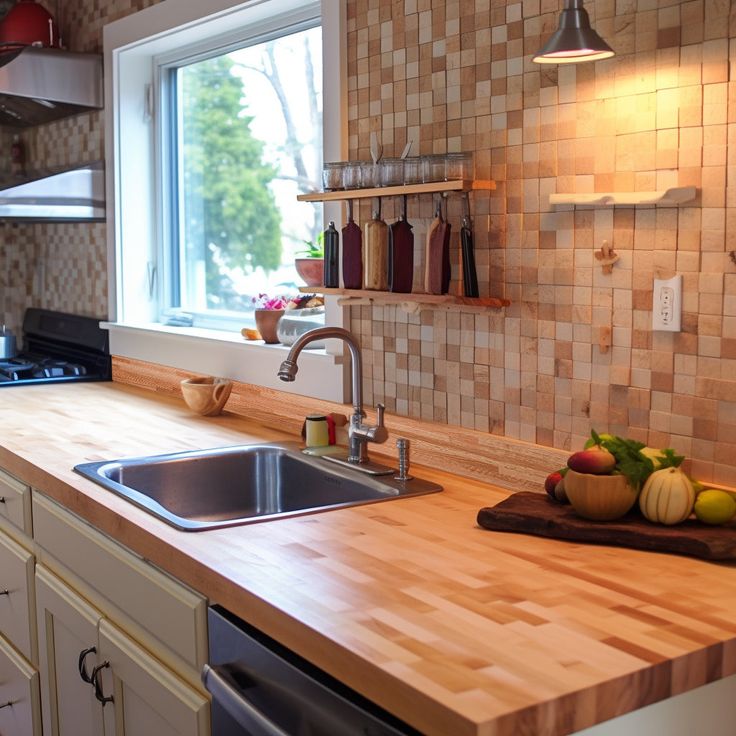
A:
(263, 301)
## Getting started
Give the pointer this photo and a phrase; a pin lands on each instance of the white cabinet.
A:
(146, 697)
(19, 694)
(67, 632)
(17, 616)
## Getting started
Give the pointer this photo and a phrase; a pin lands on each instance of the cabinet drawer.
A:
(17, 597)
(15, 505)
(19, 687)
(142, 595)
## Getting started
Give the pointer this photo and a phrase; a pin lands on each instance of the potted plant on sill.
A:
(311, 266)
(268, 312)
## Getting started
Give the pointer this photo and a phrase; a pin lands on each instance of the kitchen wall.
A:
(456, 76)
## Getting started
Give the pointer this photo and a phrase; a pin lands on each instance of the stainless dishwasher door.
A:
(260, 688)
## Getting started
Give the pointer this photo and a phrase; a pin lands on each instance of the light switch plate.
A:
(667, 304)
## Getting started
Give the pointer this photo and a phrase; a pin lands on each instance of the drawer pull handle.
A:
(2, 500)
(82, 667)
(6, 705)
(5, 591)
(98, 685)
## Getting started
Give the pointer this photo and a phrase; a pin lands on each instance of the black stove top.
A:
(58, 347)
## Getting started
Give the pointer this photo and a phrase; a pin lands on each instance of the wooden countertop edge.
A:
(141, 533)
(162, 545)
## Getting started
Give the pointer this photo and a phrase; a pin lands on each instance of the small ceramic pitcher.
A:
(206, 396)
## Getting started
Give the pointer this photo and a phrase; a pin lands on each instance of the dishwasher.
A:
(261, 688)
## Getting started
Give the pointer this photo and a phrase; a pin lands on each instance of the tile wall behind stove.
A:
(61, 266)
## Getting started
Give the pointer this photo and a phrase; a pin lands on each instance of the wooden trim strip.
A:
(508, 463)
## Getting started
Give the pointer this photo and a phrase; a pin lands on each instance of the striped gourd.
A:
(667, 497)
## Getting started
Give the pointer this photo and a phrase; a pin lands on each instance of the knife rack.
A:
(413, 301)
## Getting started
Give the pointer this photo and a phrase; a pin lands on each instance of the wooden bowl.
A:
(206, 396)
(599, 497)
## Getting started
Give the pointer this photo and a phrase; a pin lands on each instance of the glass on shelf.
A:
(370, 175)
(392, 172)
(459, 166)
(433, 168)
(351, 175)
(332, 175)
(413, 170)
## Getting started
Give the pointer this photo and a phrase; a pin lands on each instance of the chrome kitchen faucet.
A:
(359, 434)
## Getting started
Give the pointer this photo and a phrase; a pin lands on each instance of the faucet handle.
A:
(379, 433)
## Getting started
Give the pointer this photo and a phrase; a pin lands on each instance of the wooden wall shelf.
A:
(430, 188)
(361, 296)
(673, 196)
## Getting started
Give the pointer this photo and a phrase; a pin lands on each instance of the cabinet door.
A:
(148, 698)
(17, 607)
(20, 711)
(67, 626)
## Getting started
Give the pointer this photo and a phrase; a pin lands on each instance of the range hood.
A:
(76, 194)
(38, 85)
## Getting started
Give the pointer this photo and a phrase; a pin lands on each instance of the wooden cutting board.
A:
(536, 513)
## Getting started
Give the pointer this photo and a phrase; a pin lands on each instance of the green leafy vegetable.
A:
(668, 459)
(629, 460)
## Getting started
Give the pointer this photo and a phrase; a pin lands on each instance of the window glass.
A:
(248, 131)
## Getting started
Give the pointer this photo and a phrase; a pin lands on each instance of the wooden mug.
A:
(206, 395)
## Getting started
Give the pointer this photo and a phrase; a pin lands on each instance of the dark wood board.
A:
(536, 513)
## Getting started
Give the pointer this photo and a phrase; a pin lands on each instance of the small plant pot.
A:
(267, 322)
(310, 270)
(599, 497)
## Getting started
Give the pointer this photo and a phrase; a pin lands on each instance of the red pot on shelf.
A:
(311, 270)
(28, 24)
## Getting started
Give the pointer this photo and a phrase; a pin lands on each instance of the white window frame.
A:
(132, 48)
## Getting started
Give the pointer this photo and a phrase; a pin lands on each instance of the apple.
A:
(594, 460)
(551, 481)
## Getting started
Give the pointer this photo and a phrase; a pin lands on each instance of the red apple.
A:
(551, 481)
(595, 460)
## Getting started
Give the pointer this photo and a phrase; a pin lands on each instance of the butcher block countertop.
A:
(455, 629)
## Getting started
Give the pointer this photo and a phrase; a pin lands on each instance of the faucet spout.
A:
(288, 369)
(359, 434)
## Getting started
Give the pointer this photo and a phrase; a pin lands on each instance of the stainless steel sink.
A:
(209, 489)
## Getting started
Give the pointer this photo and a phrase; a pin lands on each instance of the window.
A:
(245, 131)
(172, 242)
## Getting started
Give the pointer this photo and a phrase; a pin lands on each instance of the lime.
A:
(714, 507)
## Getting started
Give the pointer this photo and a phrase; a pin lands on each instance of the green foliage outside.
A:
(227, 200)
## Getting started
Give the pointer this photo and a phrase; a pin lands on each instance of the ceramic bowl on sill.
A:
(599, 497)
(295, 322)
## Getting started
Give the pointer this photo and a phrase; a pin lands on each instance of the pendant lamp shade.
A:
(574, 40)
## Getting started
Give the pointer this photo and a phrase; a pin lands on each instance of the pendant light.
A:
(574, 40)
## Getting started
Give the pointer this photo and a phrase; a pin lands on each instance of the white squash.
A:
(667, 497)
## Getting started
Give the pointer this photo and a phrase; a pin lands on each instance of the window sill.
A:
(228, 355)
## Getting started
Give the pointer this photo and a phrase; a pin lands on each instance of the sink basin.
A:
(228, 486)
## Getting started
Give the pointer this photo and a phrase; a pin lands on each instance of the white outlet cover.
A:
(667, 304)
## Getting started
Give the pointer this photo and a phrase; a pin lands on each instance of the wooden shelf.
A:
(673, 196)
(355, 296)
(430, 188)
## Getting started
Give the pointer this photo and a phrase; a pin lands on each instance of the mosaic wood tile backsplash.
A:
(457, 76)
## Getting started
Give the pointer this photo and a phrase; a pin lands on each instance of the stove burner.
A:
(51, 368)
(14, 369)
(18, 369)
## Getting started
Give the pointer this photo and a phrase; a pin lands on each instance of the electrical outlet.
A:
(667, 304)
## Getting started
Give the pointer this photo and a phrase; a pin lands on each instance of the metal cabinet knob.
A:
(82, 667)
(98, 685)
